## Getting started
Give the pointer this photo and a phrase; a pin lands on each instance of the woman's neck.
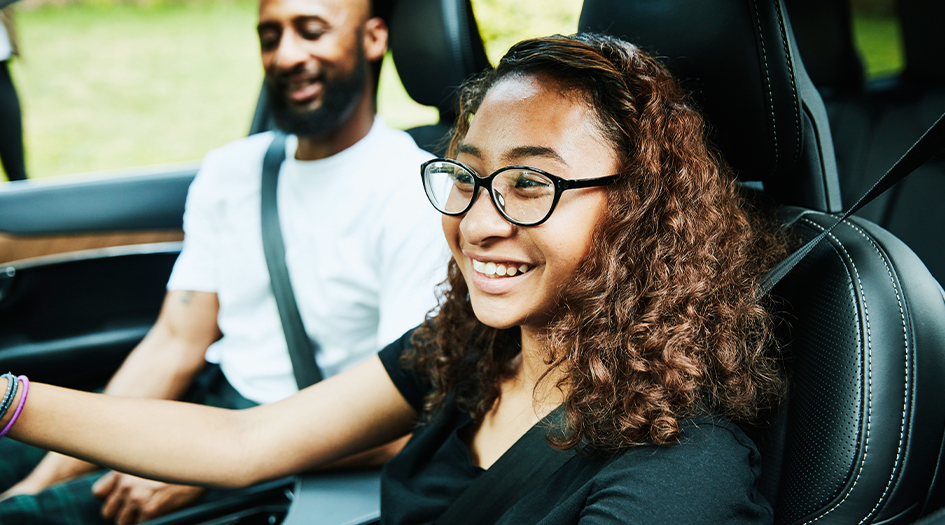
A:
(533, 366)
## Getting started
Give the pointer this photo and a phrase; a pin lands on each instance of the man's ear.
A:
(375, 39)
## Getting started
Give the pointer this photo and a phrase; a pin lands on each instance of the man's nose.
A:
(483, 221)
(291, 51)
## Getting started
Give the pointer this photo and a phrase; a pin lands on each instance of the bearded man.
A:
(363, 249)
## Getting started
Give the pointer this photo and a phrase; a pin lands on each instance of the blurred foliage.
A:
(503, 22)
(879, 41)
(109, 84)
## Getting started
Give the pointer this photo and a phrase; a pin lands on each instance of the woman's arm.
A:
(187, 443)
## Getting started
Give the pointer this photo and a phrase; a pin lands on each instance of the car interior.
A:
(873, 122)
(860, 437)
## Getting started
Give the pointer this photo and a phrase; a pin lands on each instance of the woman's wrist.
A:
(14, 392)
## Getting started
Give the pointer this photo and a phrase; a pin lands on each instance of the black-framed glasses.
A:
(524, 196)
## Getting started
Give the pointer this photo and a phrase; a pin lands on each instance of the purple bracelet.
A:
(19, 406)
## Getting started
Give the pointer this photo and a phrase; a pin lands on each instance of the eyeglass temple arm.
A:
(589, 183)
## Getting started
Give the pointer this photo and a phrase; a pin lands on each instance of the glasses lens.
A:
(524, 196)
(449, 186)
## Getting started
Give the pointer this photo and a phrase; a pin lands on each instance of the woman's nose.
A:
(483, 221)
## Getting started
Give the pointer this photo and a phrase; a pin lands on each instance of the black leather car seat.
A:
(436, 45)
(872, 123)
(859, 438)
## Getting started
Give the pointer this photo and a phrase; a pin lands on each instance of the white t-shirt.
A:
(364, 250)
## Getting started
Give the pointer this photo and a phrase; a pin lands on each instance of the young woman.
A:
(603, 262)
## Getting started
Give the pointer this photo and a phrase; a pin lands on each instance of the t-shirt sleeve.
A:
(195, 268)
(691, 482)
(407, 381)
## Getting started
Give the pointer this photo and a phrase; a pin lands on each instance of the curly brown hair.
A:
(663, 320)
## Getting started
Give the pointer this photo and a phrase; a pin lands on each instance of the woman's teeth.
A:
(491, 269)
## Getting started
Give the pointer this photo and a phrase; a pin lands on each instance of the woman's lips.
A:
(486, 278)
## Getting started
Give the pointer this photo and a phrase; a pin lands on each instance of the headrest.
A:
(824, 33)
(923, 38)
(436, 46)
(738, 60)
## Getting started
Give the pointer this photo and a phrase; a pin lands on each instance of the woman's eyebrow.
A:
(533, 151)
(469, 149)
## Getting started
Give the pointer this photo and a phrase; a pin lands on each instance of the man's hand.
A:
(129, 499)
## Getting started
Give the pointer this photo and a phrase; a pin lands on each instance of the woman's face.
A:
(532, 121)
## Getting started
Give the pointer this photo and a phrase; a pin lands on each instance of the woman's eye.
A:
(528, 181)
(464, 181)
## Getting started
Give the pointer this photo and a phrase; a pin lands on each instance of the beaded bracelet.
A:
(10, 394)
(19, 406)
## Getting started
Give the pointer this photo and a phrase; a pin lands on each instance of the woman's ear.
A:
(375, 39)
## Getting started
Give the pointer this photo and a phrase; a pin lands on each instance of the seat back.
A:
(766, 115)
(872, 123)
(436, 46)
(862, 322)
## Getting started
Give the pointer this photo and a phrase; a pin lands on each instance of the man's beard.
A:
(339, 96)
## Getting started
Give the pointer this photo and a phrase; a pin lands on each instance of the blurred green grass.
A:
(879, 41)
(106, 85)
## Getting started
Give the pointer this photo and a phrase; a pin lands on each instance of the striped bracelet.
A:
(10, 394)
(19, 406)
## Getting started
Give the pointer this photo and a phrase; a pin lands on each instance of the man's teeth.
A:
(492, 269)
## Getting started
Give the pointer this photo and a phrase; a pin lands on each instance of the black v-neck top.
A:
(708, 477)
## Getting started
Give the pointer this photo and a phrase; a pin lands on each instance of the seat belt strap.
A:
(525, 465)
(930, 144)
(302, 348)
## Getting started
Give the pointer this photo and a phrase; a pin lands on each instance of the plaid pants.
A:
(72, 502)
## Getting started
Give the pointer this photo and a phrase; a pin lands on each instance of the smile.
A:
(302, 90)
(494, 271)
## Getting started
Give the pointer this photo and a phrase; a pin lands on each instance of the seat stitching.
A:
(764, 56)
(795, 98)
(908, 370)
(869, 372)
(870, 369)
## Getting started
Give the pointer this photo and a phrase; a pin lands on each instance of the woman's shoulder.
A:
(708, 447)
(709, 476)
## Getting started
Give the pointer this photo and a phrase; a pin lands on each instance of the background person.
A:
(363, 249)
(632, 306)
(11, 118)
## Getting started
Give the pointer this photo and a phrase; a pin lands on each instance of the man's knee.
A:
(69, 503)
(16, 461)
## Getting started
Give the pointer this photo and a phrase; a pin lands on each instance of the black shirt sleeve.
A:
(407, 381)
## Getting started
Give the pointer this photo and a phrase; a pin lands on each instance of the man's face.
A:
(313, 53)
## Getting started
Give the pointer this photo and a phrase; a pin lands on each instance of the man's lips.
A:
(304, 91)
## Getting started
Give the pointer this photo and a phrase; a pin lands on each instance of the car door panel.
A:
(83, 269)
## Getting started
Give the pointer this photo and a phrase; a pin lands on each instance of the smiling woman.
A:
(629, 301)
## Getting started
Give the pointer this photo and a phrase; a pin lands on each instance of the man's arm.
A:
(162, 366)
